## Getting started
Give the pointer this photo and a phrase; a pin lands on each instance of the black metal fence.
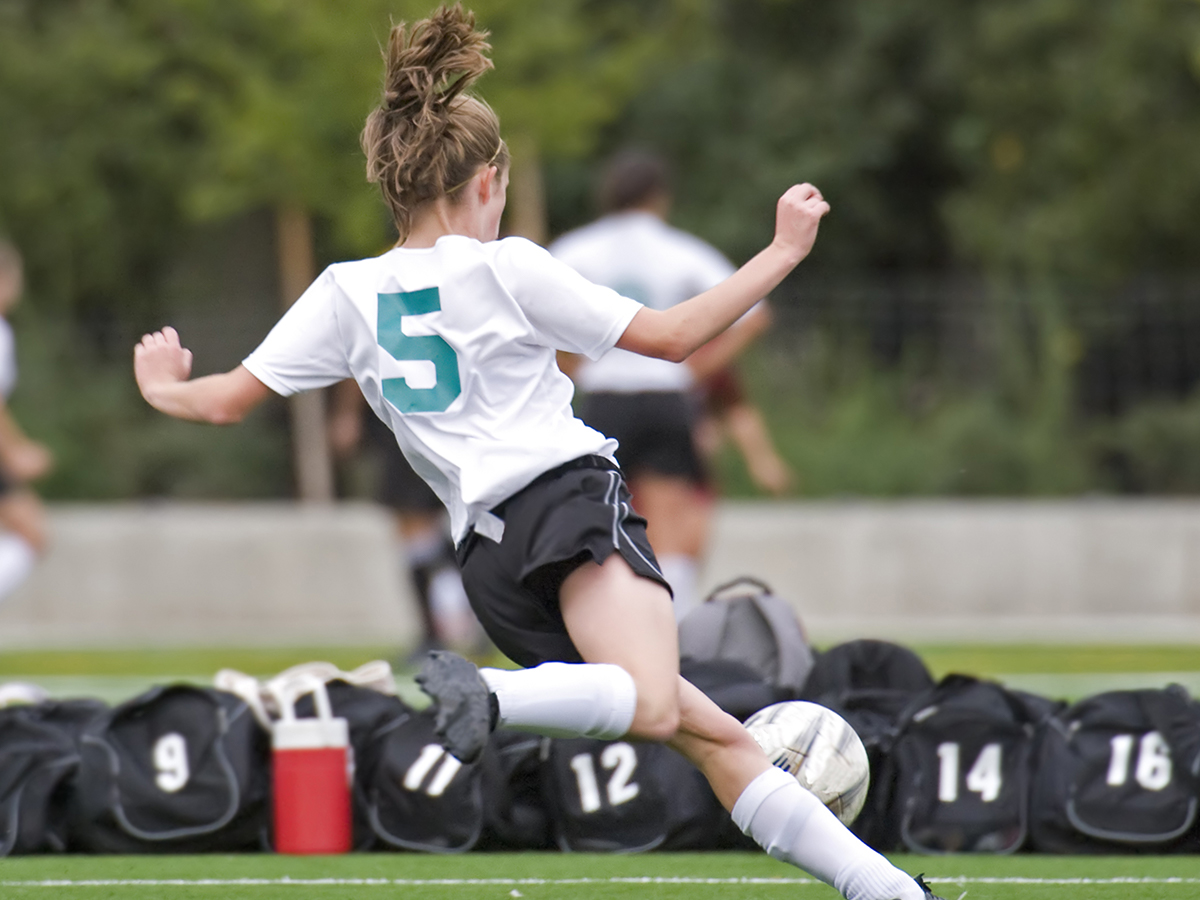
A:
(1121, 346)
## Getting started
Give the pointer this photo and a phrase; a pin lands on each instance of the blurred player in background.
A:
(729, 413)
(425, 548)
(22, 517)
(653, 406)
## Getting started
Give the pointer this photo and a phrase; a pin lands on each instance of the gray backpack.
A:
(743, 621)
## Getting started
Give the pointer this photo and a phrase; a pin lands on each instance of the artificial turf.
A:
(561, 876)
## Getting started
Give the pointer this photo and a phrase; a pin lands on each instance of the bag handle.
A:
(781, 621)
(288, 692)
(952, 683)
(248, 689)
(716, 592)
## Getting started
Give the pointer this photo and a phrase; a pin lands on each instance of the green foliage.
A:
(1155, 448)
(1052, 135)
(1077, 139)
(127, 122)
(888, 434)
(1035, 141)
(108, 444)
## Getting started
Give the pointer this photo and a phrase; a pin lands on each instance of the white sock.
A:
(794, 826)
(680, 571)
(565, 699)
(17, 558)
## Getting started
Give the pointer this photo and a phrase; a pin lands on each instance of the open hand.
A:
(797, 216)
(160, 359)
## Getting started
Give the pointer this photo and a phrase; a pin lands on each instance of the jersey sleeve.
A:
(572, 313)
(304, 350)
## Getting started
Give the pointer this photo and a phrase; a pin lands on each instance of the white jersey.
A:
(640, 256)
(8, 359)
(454, 349)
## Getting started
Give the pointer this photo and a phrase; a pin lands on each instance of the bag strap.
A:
(1167, 711)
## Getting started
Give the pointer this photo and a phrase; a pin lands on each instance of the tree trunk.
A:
(310, 443)
(527, 193)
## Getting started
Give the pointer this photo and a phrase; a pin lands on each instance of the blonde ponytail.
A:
(429, 136)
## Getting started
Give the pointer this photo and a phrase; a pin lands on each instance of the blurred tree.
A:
(127, 121)
(945, 134)
(1078, 138)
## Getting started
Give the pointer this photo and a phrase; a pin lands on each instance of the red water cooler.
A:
(311, 776)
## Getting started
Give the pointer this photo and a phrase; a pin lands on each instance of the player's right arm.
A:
(676, 333)
(163, 369)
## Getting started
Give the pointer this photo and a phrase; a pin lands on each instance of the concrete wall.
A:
(1080, 570)
(139, 575)
(147, 575)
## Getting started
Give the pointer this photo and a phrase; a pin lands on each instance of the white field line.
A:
(533, 882)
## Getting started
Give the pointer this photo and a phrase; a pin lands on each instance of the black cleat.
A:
(462, 701)
(929, 894)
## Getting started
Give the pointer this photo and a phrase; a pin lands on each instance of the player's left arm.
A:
(163, 368)
(676, 333)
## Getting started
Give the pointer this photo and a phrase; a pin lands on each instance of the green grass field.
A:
(1066, 671)
(553, 876)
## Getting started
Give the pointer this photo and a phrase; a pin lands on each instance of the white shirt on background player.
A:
(506, 307)
(640, 256)
(8, 359)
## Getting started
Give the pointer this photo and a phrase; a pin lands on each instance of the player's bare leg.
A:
(768, 804)
(623, 627)
(615, 616)
(716, 744)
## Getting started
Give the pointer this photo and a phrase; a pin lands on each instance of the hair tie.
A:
(491, 160)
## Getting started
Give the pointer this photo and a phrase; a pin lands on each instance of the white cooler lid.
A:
(310, 734)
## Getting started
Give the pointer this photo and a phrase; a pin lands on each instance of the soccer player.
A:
(452, 338)
(22, 517)
(650, 405)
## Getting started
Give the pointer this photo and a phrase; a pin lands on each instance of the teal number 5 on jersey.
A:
(392, 310)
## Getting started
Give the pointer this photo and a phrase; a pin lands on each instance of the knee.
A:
(657, 718)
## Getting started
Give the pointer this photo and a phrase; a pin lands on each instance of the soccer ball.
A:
(820, 749)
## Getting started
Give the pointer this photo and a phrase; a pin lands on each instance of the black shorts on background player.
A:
(398, 487)
(577, 512)
(655, 431)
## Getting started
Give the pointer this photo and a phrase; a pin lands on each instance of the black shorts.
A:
(655, 430)
(577, 512)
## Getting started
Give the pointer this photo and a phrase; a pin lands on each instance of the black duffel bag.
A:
(39, 761)
(960, 767)
(1118, 773)
(179, 769)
